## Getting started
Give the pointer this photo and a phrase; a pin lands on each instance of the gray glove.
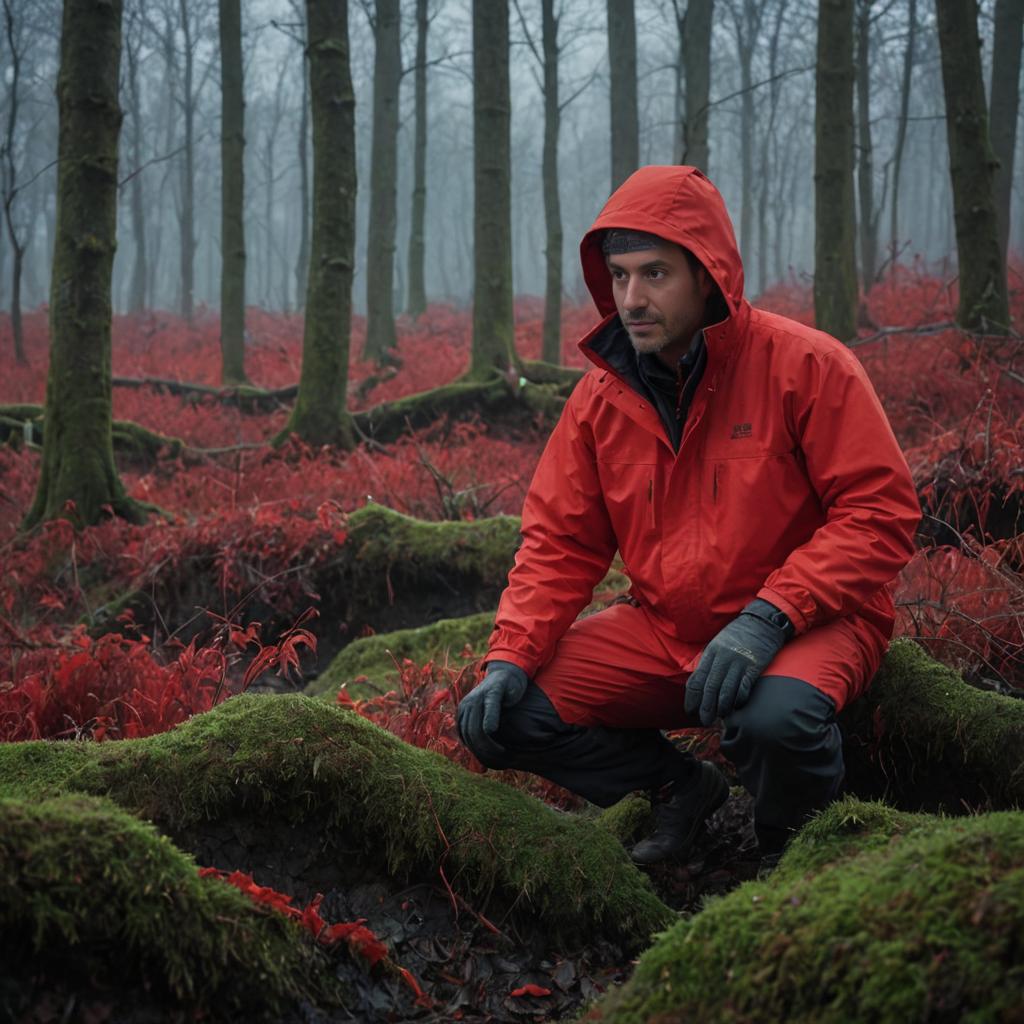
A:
(479, 712)
(734, 660)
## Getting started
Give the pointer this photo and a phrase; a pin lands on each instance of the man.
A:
(742, 465)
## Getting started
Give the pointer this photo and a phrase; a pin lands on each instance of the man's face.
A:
(660, 298)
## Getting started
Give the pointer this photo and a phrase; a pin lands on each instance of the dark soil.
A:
(469, 960)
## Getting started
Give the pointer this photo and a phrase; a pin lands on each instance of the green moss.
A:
(377, 658)
(89, 894)
(406, 808)
(873, 915)
(626, 819)
(935, 741)
(380, 538)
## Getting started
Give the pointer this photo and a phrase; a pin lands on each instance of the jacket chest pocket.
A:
(628, 489)
(757, 483)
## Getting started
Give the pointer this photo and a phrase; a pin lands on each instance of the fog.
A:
(780, 243)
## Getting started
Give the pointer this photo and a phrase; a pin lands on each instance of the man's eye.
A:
(656, 275)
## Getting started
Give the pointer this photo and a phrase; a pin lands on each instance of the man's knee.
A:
(782, 713)
(527, 727)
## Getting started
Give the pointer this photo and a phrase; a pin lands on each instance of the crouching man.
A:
(743, 466)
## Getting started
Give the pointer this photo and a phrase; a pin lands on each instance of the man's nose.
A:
(635, 296)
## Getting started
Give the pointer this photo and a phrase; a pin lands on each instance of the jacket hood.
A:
(676, 203)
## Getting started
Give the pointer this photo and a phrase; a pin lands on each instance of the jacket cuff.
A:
(797, 617)
(512, 657)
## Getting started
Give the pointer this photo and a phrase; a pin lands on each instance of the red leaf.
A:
(531, 990)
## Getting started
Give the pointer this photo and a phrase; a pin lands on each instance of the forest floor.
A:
(122, 631)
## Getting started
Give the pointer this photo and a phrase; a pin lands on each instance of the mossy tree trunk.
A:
(417, 298)
(1005, 99)
(695, 55)
(622, 72)
(493, 324)
(10, 181)
(972, 166)
(320, 415)
(232, 150)
(867, 221)
(835, 265)
(78, 458)
(380, 236)
(551, 348)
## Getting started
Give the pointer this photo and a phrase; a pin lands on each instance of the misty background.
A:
(171, 63)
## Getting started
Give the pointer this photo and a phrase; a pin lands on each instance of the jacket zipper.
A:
(650, 499)
(714, 484)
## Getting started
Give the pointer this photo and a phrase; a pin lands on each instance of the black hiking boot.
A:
(679, 814)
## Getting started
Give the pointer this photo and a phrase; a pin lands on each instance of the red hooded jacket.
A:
(788, 484)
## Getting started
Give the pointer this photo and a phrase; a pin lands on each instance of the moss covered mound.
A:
(872, 915)
(924, 739)
(91, 896)
(378, 657)
(404, 807)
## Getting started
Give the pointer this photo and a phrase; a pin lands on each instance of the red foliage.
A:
(72, 686)
(422, 713)
(359, 939)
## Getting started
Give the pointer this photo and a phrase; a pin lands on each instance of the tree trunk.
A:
(972, 165)
(78, 478)
(748, 25)
(380, 235)
(137, 287)
(867, 222)
(232, 150)
(302, 262)
(417, 300)
(768, 135)
(551, 349)
(10, 179)
(188, 241)
(1006, 49)
(901, 132)
(695, 31)
(622, 70)
(493, 323)
(835, 267)
(320, 415)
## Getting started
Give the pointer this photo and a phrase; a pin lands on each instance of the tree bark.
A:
(493, 322)
(972, 165)
(867, 221)
(748, 26)
(140, 273)
(232, 150)
(320, 415)
(380, 235)
(901, 132)
(768, 136)
(187, 221)
(695, 33)
(10, 181)
(417, 296)
(302, 261)
(1006, 54)
(551, 347)
(78, 478)
(622, 71)
(835, 267)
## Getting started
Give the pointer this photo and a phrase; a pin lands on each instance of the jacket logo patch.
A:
(741, 430)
